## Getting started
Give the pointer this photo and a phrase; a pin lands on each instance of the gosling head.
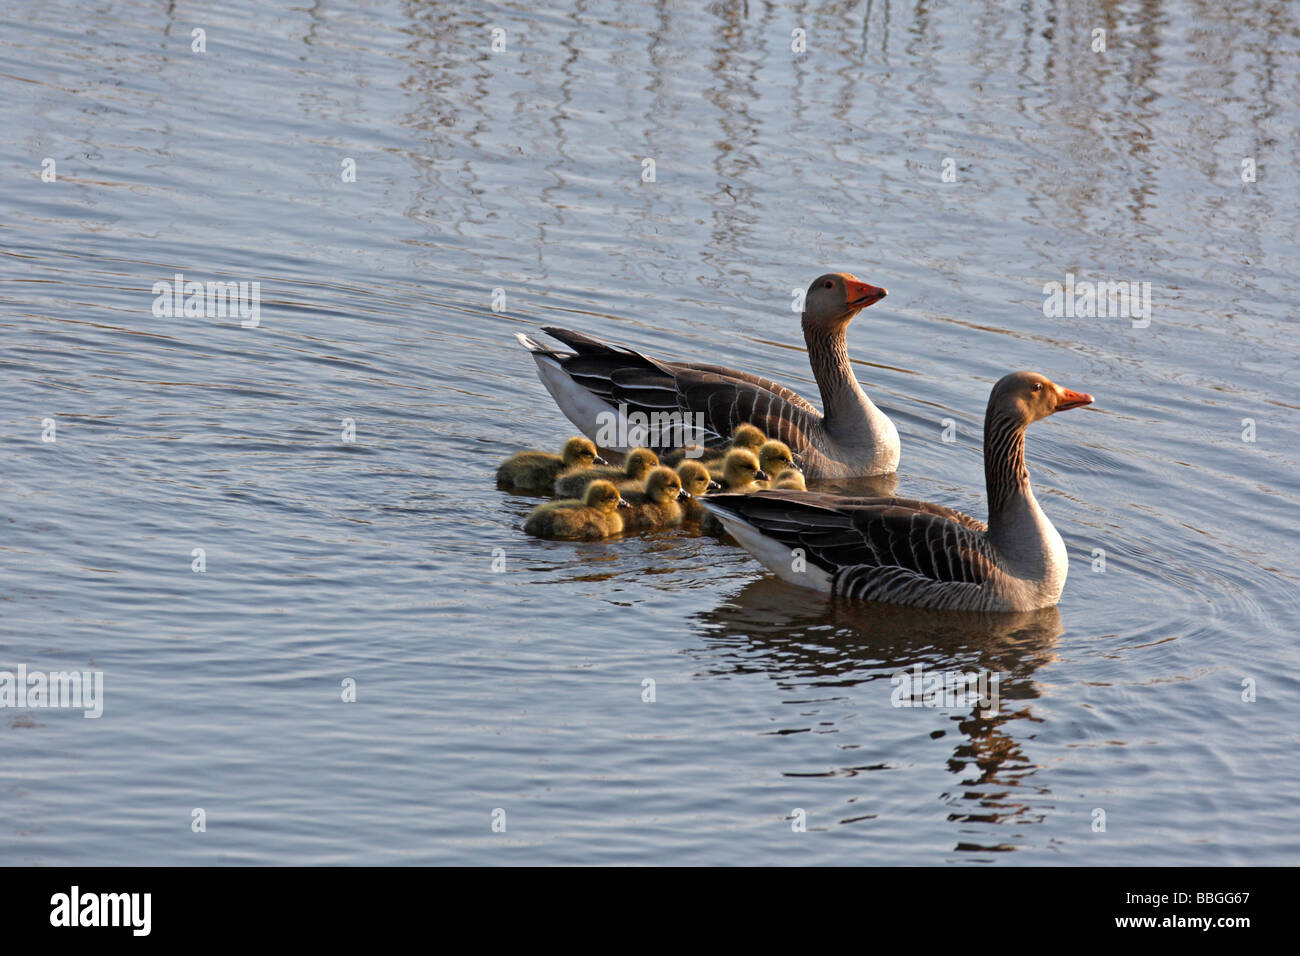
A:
(835, 298)
(696, 479)
(740, 468)
(1025, 397)
(640, 462)
(748, 436)
(603, 496)
(580, 452)
(774, 457)
(664, 485)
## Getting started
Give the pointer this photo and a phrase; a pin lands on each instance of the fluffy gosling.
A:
(741, 475)
(698, 482)
(659, 505)
(640, 462)
(595, 517)
(790, 480)
(774, 457)
(741, 472)
(537, 470)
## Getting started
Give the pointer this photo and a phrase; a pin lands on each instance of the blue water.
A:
(522, 691)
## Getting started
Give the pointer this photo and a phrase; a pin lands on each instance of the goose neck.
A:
(1006, 477)
(843, 401)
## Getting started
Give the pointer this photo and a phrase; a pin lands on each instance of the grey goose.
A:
(900, 551)
(851, 437)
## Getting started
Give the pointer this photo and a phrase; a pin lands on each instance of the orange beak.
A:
(860, 294)
(1071, 399)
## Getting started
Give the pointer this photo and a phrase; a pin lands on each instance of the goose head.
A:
(741, 469)
(603, 496)
(664, 485)
(774, 457)
(748, 436)
(580, 452)
(835, 298)
(640, 462)
(1026, 397)
(696, 479)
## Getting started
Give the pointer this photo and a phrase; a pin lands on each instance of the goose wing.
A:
(724, 398)
(884, 549)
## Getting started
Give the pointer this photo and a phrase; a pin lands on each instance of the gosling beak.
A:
(624, 503)
(860, 294)
(1071, 399)
(761, 476)
(599, 461)
(713, 486)
(683, 495)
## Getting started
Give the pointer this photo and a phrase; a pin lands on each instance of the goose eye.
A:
(829, 284)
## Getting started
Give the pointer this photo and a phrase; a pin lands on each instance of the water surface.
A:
(521, 170)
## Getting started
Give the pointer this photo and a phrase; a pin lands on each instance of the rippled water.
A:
(521, 170)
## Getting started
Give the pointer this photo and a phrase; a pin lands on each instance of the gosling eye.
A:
(1036, 387)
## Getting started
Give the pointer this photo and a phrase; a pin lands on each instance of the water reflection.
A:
(811, 644)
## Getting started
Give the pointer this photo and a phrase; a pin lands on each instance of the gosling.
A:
(659, 505)
(537, 470)
(745, 436)
(790, 480)
(596, 517)
(698, 482)
(741, 472)
(774, 457)
(640, 462)
(741, 475)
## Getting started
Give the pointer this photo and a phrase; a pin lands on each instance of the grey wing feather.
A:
(871, 544)
(724, 398)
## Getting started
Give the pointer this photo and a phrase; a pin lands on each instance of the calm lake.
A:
(241, 520)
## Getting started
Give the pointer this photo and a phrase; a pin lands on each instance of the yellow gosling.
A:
(697, 481)
(537, 470)
(659, 505)
(597, 516)
(741, 472)
(740, 475)
(774, 457)
(640, 462)
(745, 438)
(790, 480)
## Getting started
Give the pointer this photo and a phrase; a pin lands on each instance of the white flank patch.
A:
(769, 552)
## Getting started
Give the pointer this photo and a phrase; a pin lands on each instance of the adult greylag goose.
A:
(852, 437)
(901, 551)
(537, 470)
